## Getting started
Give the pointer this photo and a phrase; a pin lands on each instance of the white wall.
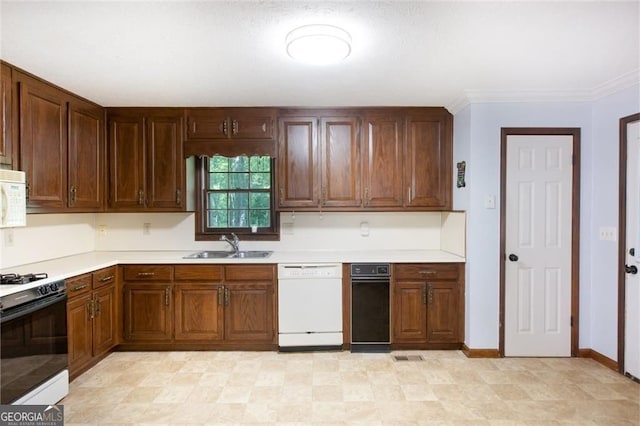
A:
(477, 135)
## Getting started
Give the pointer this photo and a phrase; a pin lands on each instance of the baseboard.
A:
(598, 357)
(480, 353)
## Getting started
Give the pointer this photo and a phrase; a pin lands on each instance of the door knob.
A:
(513, 257)
(632, 251)
(633, 269)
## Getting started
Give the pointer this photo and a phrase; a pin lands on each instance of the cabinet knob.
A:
(178, 197)
(141, 197)
(72, 195)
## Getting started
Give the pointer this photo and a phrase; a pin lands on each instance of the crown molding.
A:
(607, 88)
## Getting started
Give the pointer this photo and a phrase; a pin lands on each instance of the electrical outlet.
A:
(287, 228)
(146, 228)
(607, 233)
(8, 238)
(102, 230)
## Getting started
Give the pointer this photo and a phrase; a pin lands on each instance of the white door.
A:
(632, 280)
(538, 245)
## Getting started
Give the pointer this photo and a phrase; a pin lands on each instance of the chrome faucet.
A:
(235, 243)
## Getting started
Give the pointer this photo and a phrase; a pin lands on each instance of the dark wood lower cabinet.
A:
(428, 306)
(199, 314)
(249, 313)
(148, 312)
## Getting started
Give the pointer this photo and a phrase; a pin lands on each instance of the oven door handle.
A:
(29, 308)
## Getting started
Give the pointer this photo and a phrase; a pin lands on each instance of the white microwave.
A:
(13, 199)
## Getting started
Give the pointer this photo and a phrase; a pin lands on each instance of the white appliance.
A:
(13, 199)
(310, 306)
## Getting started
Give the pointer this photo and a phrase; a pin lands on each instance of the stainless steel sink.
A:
(222, 254)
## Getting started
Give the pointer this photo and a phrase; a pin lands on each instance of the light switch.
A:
(364, 229)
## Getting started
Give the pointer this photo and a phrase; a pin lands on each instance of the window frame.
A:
(203, 233)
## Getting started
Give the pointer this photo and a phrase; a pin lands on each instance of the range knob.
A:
(53, 287)
(43, 290)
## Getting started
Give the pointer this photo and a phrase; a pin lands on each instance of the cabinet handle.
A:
(323, 197)
(226, 296)
(178, 197)
(72, 195)
(193, 127)
(281, 194)
(79, 287)
(264, 127)
(427, 272)
(234, 127)
(96, 303)
(366, 196)
(225, 128)
(140, 197)
(105, 279)
(409, 194)
(220, 295)
(90, 308)
(430, 294)
(146, 274)
(424, 294)
(166, 296)
(26, 193)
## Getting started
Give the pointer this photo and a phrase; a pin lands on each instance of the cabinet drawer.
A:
(79, 285)
(147, 273)
(198, 273)
(426, 271)
(104, 277)
(249, 273)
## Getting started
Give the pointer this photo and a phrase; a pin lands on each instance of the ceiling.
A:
(231, 53)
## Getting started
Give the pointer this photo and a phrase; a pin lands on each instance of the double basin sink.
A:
(222, 254)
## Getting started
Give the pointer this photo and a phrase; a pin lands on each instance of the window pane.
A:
(260, 164)
(217, 219)
(217, 200)
(239, 164)
(261, 218)
(259, 200)
(238, 218)
(218, 181)
(218, 163)
(238, 200)
(261, 180)
(238, 180)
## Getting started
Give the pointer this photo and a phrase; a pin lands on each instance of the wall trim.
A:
(598, 357)
(480, 353)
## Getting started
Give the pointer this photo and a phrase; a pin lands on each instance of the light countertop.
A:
(70, 266)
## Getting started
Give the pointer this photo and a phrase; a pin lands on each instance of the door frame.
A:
(575, 224)
(622, 234)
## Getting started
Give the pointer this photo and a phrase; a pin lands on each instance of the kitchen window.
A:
(236, 195)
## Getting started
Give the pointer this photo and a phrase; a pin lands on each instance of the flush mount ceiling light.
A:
(318, 44)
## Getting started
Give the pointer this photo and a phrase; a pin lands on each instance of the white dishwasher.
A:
(309, 306)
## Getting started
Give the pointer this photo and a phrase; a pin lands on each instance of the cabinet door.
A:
(147, 312)
(248, 123)
(249, 313)
(43, 144)
(340, 158)
(428, 157)
(298, 176)
(199, 312)
(79, 332)
(86, 156)
(207, 123)
(104, 321)
(5, 115)
(409, 312)
(442, 311)
(126, 163)
(382, 163)
(165, 175)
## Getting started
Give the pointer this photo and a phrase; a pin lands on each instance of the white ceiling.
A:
(231, 53)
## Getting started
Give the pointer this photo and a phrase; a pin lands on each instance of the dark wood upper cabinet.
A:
(428, 158)
(43, 143)
(146, 168)
(6, 115)
(298, 172)
(230, 123)
(382, 160)
(340, 162)
(127, 167)
(86, 175)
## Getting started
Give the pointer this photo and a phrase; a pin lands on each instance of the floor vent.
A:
(407, 357)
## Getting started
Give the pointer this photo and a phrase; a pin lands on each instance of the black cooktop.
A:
(15, 279)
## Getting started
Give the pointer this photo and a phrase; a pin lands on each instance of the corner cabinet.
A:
(178, 307)
(146, 166)
(428, 306)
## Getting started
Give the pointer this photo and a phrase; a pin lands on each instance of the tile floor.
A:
(344, 388)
